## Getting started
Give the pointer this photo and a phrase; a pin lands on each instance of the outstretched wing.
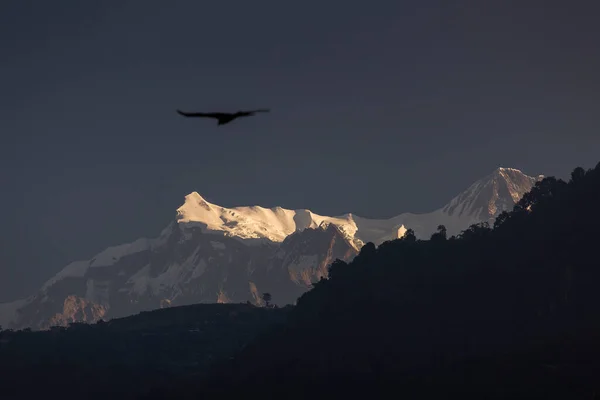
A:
(205, 115)
(251, 112)
(257, 111)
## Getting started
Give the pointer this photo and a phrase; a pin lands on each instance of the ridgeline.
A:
(508, 311)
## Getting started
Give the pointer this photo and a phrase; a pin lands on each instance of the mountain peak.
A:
(501, 170)
(195, 197)
(513, 172)
(195, 208)
(482, 201)
(485, 199)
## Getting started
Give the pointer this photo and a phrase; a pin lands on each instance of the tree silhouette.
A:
(267, 298)
(409, 236)
(476, 231)
(577, 175)
(335, 268)
(500, 219)
(441, 234)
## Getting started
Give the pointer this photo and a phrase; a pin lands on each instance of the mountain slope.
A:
(509, 312)
(216, 254)
(188, 267)
(488, 197)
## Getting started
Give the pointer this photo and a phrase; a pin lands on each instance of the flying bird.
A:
(222, 118)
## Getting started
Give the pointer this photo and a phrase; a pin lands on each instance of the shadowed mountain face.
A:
(201, 268)
(212, 254)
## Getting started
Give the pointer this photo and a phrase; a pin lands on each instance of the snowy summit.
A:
(211, 253)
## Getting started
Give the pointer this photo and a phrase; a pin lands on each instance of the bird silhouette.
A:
(222, 118)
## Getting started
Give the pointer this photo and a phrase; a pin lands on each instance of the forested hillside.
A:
(508, 311)
(496, 312)
(126, 357)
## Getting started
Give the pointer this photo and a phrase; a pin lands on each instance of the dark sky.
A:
(377, 107)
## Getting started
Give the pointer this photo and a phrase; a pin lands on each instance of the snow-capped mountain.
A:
(488, 197)
(216, 254)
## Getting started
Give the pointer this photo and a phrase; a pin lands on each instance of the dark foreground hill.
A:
(511, 311)
(126, 357)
